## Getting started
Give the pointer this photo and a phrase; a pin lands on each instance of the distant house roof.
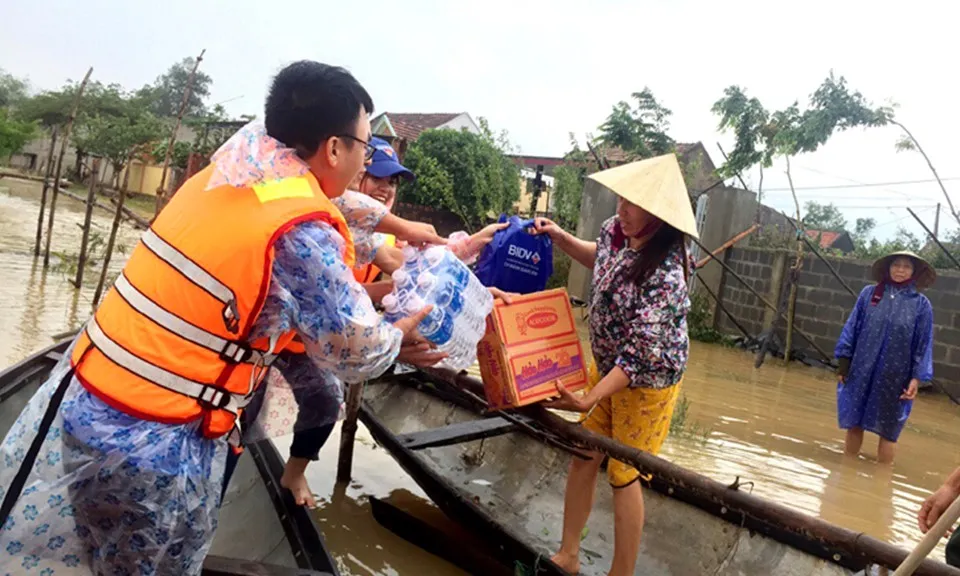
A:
(832, 240)
(409, 126)
(616, 155)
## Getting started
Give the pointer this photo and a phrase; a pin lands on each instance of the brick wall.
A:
(823, 304)
(758, 268)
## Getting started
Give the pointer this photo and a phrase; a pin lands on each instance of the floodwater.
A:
(774, 427)
(35, 303)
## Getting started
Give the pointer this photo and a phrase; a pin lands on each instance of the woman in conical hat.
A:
(885, 351)
(638, 332)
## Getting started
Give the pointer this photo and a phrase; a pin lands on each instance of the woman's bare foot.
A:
(570, 564)
(295, 480)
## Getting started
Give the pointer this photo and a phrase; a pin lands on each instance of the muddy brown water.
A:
(774, 427)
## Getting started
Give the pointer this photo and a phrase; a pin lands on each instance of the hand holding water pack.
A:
(460, 302)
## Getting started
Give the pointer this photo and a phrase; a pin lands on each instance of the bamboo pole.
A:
(114, 228)
(794, 273)
(136, 221)
(348, 433)
(916, 143)
(765, 302)
(727, 244)
(87, 220)
(48, 173)
(723, 309)
(161, 189)
(934, 238)
(63, 150)
(822, 258)
(781, 311)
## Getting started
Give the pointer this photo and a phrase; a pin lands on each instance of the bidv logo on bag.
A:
(524, 254)
(516, 261)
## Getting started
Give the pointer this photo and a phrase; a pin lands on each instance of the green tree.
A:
(463, 172)
(14, 134)
(862, 232)
(13, 90)
(825, 217)
(120, 135)
(567, 191)
(641, 130)
(761, 136)
(166, 93)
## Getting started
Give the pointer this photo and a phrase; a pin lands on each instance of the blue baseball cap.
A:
(384, 164)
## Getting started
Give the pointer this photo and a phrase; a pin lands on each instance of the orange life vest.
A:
(170, 341)
(369, 273)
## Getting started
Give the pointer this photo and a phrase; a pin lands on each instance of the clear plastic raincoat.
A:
(113, 494)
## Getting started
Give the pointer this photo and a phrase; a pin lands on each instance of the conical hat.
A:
(656, 185)
(923, 273)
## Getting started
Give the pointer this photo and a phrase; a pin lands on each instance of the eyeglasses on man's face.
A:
(369, 149)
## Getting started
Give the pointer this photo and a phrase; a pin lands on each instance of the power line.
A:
(863, 185)
(895, 207)
(902, 218)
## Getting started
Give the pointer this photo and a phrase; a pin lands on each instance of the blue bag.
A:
(515, 260)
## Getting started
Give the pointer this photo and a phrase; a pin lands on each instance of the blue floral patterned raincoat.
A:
(888, 342)
(113, 494)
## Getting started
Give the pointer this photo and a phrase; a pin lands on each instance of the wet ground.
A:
(775, 427)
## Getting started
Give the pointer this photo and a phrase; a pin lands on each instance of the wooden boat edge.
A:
(303, 534)
(800, 531)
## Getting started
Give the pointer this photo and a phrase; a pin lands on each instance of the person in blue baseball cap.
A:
(383, 173)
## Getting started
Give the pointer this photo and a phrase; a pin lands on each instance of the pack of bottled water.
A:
(460, 302)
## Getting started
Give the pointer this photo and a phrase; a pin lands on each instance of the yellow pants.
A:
(637, 417)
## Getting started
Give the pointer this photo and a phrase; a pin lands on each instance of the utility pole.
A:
(936, 222)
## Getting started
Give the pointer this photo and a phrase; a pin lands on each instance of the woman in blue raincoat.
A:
(885, 351)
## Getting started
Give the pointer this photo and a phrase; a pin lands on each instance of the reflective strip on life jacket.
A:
(195, 274)
(228, 350)
(171, 341)
(205, 393)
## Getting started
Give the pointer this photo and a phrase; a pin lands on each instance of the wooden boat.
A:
(262, 532)
(502, 475)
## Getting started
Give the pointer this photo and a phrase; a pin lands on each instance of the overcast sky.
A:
(544, 69)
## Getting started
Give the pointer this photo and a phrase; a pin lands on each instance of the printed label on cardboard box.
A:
(547, 365)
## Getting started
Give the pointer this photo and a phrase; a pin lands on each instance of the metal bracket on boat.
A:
(737, 484)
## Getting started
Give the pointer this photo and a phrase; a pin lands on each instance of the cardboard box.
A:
(527, 347)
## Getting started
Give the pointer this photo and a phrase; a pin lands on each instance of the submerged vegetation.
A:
(681, 425)
(700, 322)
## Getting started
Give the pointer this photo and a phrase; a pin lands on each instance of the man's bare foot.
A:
(569, 563)
(294, 480)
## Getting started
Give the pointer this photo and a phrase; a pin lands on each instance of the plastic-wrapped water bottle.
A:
(437, 327)
(392, 308)
(461, 303)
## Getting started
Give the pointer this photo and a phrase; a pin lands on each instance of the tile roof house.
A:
(402, 129)
(830, 240)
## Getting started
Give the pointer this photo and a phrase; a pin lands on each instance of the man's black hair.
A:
(310, 102)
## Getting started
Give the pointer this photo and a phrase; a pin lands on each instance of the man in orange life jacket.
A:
(123, 448)
(365, 207)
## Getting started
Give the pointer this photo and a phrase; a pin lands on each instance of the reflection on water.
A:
(360, 546)
(38, 303)
(775, 427)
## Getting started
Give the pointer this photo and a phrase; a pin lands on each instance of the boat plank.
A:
(456, 433)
